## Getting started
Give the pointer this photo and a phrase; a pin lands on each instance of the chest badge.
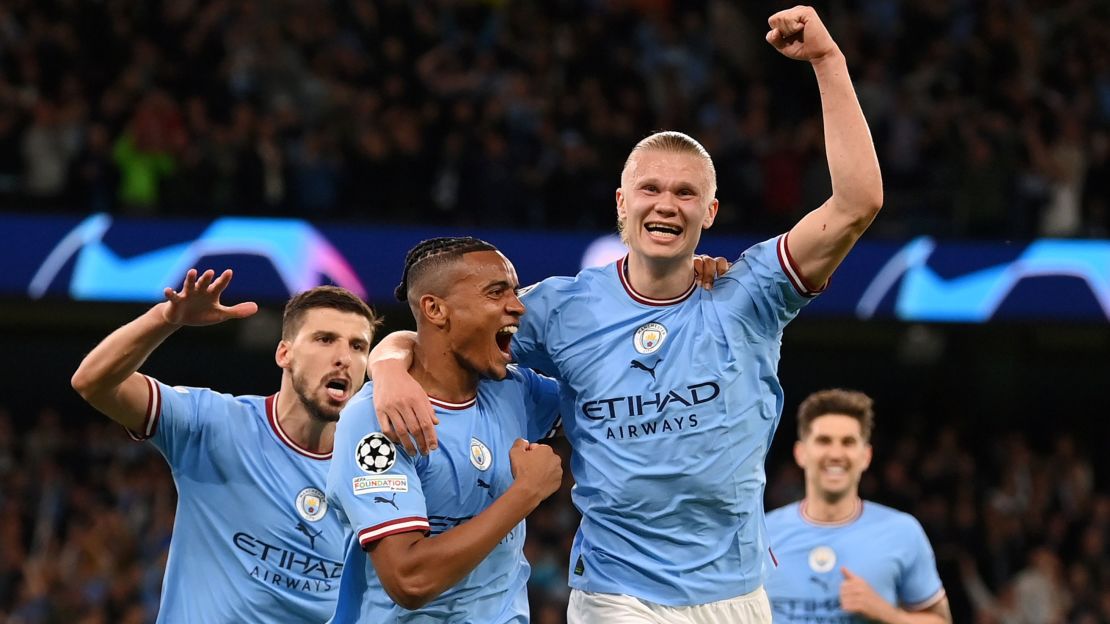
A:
(480, 455)
(649, 338)
(311, 504)
(822, 559)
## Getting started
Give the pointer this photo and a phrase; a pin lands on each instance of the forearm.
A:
(393, 353)
(853, 165)
(112, 362)
(937, 614)
(431, 566)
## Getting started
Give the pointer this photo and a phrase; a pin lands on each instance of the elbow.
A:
(411, 592)
(82, 383)
(411, 599)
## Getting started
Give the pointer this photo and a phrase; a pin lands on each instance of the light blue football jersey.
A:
(885, 547)
(253, 538)
(670, 407)
(380, 491)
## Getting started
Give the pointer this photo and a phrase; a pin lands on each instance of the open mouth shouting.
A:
(662, 232)
(504, 338)
(338, 389)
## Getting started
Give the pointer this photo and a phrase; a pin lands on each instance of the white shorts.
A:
(590, 608)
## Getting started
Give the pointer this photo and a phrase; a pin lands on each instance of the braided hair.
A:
(432, 255)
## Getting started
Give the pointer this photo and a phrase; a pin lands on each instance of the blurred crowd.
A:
(991, 117)
(1019, 525)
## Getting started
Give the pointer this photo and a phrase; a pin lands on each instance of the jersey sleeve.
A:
(541, 402)
(179, 418)
(530, 343)
(770, 279)
(372, 481)
(920, 586)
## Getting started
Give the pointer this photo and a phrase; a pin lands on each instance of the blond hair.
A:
(676, 143)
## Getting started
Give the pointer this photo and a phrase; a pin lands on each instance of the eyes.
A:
(683, 192)
(328, 339)
(827, 441)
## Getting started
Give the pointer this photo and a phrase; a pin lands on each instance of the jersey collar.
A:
(815, 522)
(271, 415)
(622, 272)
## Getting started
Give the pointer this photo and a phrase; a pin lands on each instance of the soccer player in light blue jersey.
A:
(253, 539)
(671, 395)
(439, 538)
(842, 559)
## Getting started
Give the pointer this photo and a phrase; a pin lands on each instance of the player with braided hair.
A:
(440, 537)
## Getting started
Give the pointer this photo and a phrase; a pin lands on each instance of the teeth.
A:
(663, 229)
(835, 469)
(508, 329)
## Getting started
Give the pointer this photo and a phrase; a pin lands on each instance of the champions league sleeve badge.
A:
(375, 454)
(311, 504)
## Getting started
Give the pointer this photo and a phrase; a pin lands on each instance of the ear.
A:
(282, 356)
(867, 457)
(620, 203)
(800, 454)
(434, 309)
(711, 214)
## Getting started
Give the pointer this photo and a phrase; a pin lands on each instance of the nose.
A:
(666, 204)
(514, 305)
(343, 355)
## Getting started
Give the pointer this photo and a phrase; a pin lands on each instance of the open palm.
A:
(198, 301)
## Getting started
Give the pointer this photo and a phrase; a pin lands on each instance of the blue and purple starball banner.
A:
(106, 258)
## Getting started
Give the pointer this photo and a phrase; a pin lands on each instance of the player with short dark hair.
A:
(253, 538)
(841, 558)
(440, 537)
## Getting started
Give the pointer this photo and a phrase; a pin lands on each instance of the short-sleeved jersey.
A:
(670, 407)
(380, 491)
(253, 537)
(883, 546)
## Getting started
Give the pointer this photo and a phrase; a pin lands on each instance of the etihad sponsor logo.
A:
(299, 564)
(650, 428)
(638, 405)
(373, 485)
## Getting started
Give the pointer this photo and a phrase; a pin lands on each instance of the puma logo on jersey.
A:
(389, 501)
(487, 487)
(309, 534)
(637, 364)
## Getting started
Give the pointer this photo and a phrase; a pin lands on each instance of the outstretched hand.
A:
(198, 301)
(798, 33)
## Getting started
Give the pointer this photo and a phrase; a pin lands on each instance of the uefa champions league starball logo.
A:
(375, 453)
(311, 504)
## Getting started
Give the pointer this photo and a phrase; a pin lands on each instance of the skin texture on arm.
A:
(415, 569)
(108, 377)
(857, 596)
(404, 412)
(823, 238)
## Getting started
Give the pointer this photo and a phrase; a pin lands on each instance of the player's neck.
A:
(840, 510)
(437, 370)
(311, 434)
(659, 278)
